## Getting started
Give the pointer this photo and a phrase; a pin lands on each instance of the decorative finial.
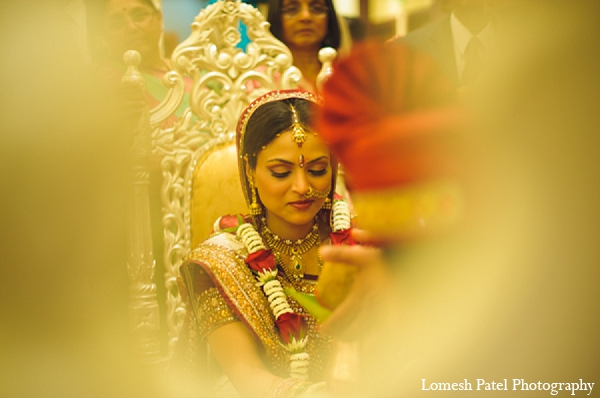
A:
(132, 60)
(326, 56)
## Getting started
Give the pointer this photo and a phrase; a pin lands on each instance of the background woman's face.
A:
(133, 25)
(304, 23)
(281, 182)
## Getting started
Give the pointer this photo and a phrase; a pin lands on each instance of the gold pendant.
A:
(296, 263)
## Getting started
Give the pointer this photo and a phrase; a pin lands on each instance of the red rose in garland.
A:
(260, 261)
(291, 325)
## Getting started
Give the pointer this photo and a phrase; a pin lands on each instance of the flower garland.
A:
(261, 260)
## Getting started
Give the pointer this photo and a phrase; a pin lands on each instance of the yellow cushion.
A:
(216, 190)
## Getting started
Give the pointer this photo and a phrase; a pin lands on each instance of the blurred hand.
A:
(370, 295)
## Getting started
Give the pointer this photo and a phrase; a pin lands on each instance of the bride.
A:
(236, 283)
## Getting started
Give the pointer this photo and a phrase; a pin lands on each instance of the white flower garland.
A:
(341, 216)
(299, 360)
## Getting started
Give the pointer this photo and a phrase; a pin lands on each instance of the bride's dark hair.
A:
(271, 119)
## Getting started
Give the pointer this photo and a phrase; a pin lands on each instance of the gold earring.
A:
(255, 208)
(327, 204)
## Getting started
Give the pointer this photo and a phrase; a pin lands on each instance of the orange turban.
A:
(389, 117)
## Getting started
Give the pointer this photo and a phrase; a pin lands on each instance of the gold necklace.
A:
(294, 249)
(299, 281)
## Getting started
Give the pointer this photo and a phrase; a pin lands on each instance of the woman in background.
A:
(306, 26)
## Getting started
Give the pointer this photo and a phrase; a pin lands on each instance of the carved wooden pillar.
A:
(143, 304)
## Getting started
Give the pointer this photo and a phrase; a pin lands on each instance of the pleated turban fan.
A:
(390, 119)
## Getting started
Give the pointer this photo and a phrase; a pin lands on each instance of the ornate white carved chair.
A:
(198, 155)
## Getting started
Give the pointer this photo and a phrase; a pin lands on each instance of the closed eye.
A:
(318, 173)
(280, 175)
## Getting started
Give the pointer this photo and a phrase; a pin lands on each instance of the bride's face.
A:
(284, 173)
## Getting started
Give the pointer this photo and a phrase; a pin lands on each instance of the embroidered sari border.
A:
(237, 285)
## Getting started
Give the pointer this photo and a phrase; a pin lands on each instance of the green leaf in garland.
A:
(310, 304)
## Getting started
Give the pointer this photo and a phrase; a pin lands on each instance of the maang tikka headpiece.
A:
(298, 132)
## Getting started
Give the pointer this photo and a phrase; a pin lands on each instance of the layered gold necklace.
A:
(293, 248)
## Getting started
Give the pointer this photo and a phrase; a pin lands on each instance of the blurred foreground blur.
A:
(513, 293)
(63, 300)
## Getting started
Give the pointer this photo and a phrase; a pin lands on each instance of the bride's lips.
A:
(301, 204)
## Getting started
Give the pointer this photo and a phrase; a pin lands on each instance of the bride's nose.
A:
(300, 182)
